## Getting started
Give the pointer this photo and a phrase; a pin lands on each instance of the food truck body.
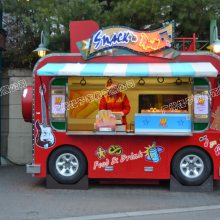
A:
(172, 129)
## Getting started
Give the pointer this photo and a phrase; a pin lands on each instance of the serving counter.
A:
(163, 123)
(117, 133)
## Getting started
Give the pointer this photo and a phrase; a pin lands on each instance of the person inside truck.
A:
(115, 100)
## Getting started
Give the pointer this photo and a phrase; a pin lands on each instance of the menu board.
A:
(58, 102)
(201, 108)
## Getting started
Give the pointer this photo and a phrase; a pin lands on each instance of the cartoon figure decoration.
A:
(211, 144)
(152, 153)
(45, 137)
(101, 153)
(216, 121)
(163, 122)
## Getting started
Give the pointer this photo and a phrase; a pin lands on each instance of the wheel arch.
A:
(65, 145)
(189, 146)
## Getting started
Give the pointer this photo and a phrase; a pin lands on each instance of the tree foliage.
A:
(24, 20)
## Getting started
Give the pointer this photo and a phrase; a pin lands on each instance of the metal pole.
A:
(1, 11)
(2, 47)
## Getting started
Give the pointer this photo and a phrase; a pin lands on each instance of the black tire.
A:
(192, 174)
(66, 172)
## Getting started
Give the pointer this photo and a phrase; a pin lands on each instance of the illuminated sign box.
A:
(123, 38)
(163, 123)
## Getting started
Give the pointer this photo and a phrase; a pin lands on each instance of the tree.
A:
(194, 16)
(24, 20)
(137, 14)
(190, 15)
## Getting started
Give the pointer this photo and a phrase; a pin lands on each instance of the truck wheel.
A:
(191, 166)
(67, 165)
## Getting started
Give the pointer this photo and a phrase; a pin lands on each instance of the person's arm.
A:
(103, 104)
(126, 105)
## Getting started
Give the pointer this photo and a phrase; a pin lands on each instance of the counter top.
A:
(111, 133)
(163, 112)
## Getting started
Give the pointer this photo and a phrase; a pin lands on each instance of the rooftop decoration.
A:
(120, 40)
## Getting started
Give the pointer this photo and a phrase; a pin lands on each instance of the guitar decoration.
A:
(45, 137)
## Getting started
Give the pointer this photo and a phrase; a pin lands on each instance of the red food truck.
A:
(171, 125)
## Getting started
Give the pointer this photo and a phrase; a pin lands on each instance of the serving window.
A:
(74, 103)
(84, 95)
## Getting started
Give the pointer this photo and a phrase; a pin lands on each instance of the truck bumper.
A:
(32, 168)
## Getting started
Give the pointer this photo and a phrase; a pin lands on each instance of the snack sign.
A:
(126, 38)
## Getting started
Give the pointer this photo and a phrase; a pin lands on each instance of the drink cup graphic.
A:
(154, 155)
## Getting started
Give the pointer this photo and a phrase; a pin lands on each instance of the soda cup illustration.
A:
(154, 155)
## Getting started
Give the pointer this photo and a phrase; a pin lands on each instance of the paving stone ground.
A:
(25, 197)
